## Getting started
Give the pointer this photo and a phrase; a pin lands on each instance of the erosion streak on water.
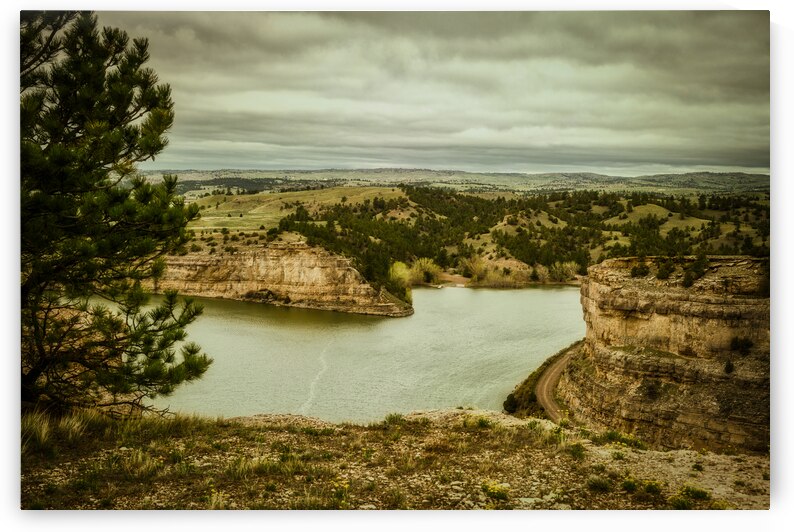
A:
(304, 409)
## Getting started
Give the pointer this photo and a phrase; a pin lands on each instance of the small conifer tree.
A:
(93, 232)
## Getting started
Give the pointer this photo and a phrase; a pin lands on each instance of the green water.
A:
(462, 347)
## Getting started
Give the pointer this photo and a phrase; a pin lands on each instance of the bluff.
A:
(281, 273)
(676, 366)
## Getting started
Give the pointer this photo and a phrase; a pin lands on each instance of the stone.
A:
(654, 358)
(281, 273)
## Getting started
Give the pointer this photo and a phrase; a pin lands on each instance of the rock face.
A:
(291, 274)
(676, 366)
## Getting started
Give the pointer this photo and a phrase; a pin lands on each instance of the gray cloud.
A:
(624, 92)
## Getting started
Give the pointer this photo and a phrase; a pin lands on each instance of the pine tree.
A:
(93, 233)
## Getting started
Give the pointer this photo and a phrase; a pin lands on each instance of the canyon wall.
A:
(676, 366)
(291, 274)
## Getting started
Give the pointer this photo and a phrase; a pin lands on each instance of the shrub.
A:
(599, 484)
(613, 436)
(695, 493)
(742, 345)
(395, 499)
(652, 488)
(510, 404)
(479, 422)
(473, 267)
(540, 273)
(629, 485)
(728, 367)
(686, 498)
(564, 271)
(640, 270)
(576, 450)
(677, 502)
(499, 492)
(400, 276)
(665, 269)
(696, 270)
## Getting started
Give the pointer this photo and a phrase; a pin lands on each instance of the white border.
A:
(782, 55)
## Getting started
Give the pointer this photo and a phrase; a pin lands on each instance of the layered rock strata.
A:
(291, 274)
(676, 366)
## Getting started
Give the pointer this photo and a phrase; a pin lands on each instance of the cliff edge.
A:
(281, 273)
(676, 366)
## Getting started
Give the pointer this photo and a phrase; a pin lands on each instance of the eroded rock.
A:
(676, 366)
(290, 274)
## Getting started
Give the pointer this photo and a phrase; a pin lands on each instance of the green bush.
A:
(677, 502)
(652, 488)
(695, 493)
(599, 484)
(665, 269)
(576, 450)
(495, 491)
(640, 270)
(510, 404)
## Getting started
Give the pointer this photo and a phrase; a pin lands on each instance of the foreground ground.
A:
(456, 459)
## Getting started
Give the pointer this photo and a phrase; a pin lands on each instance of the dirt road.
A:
(547, 383)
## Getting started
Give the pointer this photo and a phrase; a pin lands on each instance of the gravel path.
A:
(547, 384)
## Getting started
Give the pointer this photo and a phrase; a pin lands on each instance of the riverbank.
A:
(443, 459)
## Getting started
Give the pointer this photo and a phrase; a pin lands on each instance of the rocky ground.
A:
(451, 459)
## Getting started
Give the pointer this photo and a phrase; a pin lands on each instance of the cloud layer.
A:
(621, 92)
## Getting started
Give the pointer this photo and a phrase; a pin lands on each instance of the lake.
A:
(462, 347)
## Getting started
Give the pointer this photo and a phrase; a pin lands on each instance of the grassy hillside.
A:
(495, 240)
(266, 208)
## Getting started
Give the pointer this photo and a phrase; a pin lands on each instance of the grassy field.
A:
(248, 212)
(640, 211)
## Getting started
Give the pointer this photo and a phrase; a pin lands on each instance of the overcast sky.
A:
(619, 93)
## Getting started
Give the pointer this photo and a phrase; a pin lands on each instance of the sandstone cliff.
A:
(675, 366)
(291, 274)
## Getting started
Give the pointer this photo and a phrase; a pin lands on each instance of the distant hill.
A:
(710, 181)
(693, 182)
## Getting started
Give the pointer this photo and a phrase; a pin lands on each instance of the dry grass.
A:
(401, 462)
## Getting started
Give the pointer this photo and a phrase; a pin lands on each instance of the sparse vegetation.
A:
(148, 462)
(688, 498)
